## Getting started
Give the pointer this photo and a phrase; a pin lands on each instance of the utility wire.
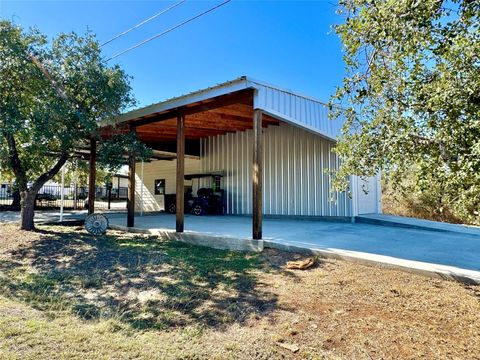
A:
(144, 22)
(168, 30)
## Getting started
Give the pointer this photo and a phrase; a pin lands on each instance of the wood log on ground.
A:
(301, 264)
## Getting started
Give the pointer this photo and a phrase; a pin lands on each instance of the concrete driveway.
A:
(437, 247)
(431, 251)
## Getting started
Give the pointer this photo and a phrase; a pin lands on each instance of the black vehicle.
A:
(208, 200)
(171, 202)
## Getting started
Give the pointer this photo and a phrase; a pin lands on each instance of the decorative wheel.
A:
(197, 210)
(172, 208)
(96, 224)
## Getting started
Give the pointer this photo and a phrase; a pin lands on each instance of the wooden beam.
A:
(92, 175)
(257, 174)
(131, 192)
(209, 120)
(189, 131)
(152, 140)
(202, 123)
(180, 193)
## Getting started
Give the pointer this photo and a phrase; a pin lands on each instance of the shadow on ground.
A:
(144, 282)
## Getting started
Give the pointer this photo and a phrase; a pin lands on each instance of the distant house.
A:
(243, 129)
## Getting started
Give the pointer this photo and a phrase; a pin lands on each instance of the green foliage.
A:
(417, 197)
(127, 144)
(52, 96)
(411, 96)
(78, 170)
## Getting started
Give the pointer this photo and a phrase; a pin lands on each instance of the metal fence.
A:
(75, 197)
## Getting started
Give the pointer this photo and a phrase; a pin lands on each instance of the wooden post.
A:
(131, 192)
(180, 193)
(92, 176)
(109, 197)
(257, 174)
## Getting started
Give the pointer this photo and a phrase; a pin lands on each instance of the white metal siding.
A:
(295, 181)
(296, 109)
(304, 111)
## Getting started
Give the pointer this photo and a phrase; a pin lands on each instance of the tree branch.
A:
(15, 162)
(42, 179)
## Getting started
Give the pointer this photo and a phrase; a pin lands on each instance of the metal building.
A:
(273, 147)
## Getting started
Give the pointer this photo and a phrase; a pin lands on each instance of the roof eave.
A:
(228, 87)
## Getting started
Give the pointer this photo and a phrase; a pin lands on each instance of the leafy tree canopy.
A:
(411, 96)
(53, 94)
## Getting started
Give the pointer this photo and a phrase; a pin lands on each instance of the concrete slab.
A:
(215, 241)
(402, 221)
(43, 216)
(444, 254)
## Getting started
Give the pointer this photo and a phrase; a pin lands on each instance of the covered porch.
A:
(176, 126)
(181, 126)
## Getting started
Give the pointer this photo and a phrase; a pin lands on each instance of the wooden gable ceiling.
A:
(215, 116)
(228, 119)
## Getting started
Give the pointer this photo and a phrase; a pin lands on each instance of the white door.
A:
(367, 195)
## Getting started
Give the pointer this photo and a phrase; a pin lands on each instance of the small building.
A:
(272, 147)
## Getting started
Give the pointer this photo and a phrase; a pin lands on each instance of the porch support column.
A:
(180, 173)
(131, 192)
(92, 175)
(257, 174)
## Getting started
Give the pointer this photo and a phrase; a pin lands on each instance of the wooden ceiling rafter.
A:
(211, 117)
(240, 97)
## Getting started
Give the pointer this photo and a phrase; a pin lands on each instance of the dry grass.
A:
(64, 294)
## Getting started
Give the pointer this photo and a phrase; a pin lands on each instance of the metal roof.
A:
(299, 110)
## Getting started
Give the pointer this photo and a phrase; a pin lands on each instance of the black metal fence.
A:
(75, 197)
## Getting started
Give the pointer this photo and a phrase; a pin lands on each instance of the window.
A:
(159, 186)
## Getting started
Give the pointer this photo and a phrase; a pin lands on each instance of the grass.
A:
(65, 294)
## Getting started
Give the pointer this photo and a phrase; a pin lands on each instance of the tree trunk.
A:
(27, 210)
(27, 203)
(15, 205)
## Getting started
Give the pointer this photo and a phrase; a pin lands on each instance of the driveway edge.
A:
(416, 267)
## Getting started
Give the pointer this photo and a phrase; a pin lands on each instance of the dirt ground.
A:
(64, 294)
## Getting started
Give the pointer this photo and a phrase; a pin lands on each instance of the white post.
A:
(62, 196)
(378, 181)
(75, 186)
(141, 194)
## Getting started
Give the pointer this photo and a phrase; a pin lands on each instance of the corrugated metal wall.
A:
(297, 109)
(295, 182)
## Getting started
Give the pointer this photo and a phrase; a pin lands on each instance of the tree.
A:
(411, 96)
(52, 97)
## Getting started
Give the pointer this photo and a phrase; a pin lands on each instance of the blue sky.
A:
(287, 43)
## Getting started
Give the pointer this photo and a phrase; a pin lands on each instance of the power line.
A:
(168, 30)
(144, 22)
